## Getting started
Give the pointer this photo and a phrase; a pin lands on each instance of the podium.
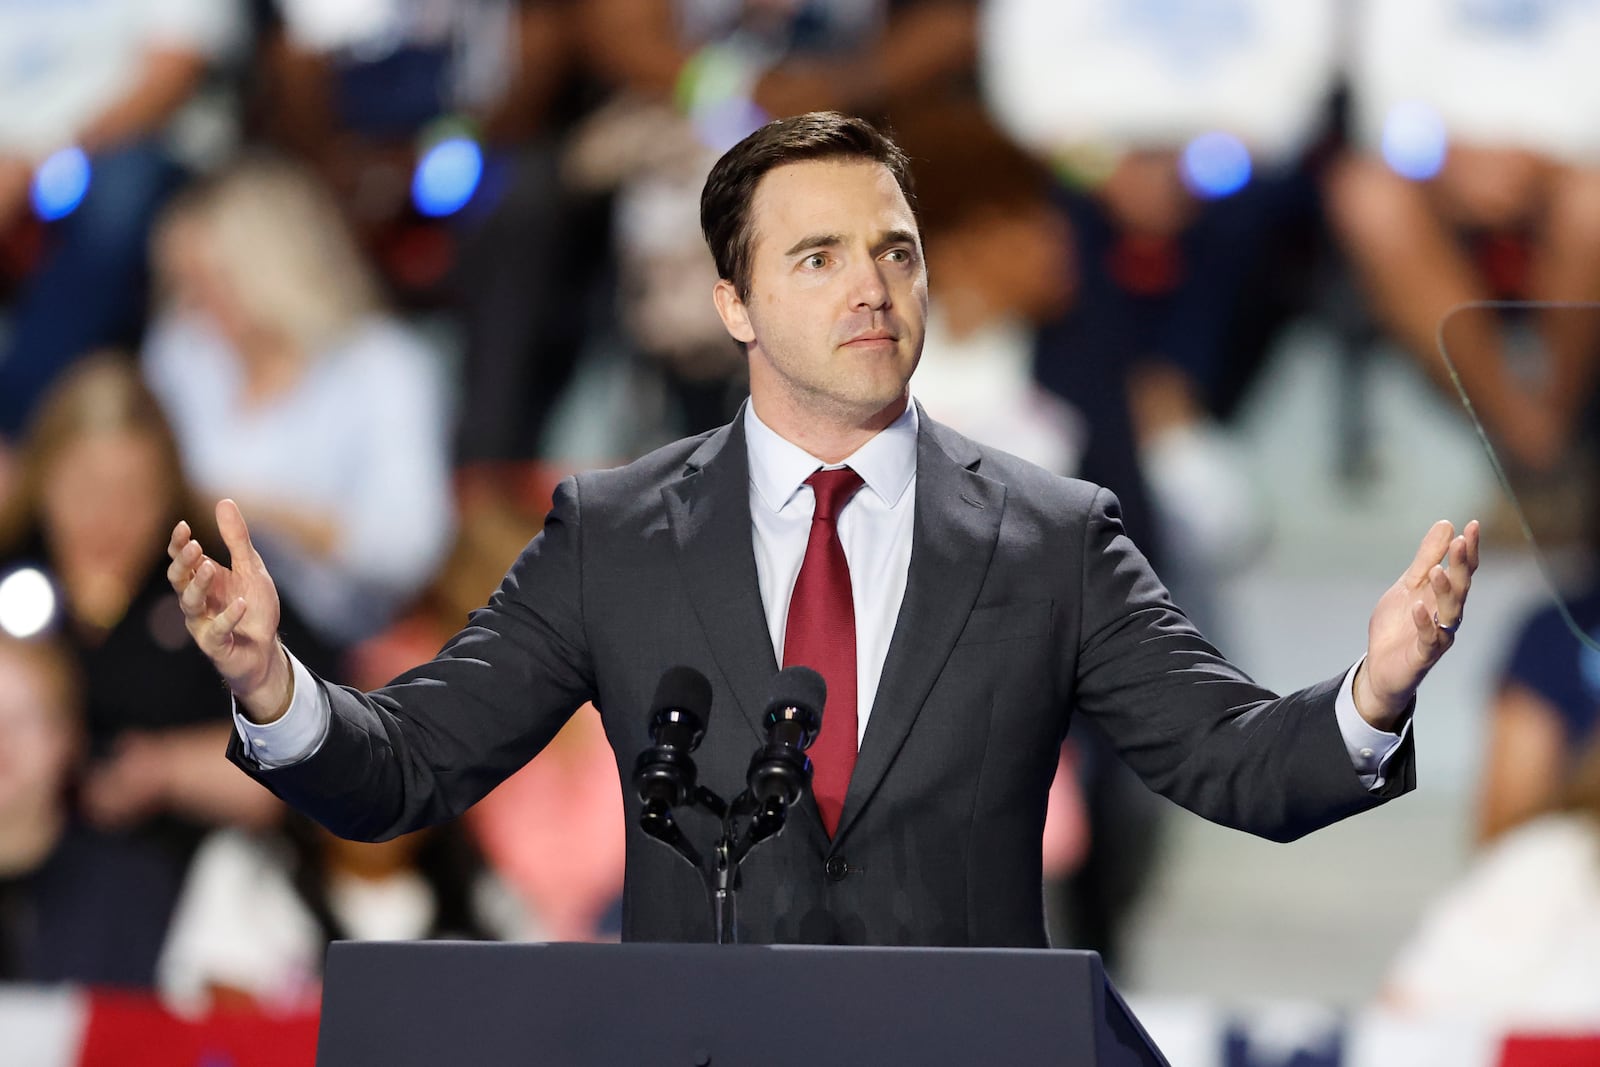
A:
(409, 1004)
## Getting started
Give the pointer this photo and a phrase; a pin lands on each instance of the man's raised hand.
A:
(1415, 622)
(232, 614)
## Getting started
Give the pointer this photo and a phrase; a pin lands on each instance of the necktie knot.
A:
(833, 490)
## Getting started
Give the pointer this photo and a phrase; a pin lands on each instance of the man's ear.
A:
(735, 318)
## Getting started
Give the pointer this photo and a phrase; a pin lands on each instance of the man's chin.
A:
(881, 408)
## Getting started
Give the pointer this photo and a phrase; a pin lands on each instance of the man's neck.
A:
(831, 440)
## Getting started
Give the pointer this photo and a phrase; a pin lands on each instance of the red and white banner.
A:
(68, 1027)
(1198, 1033)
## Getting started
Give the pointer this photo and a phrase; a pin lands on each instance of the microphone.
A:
(780, 770)
(664, 775)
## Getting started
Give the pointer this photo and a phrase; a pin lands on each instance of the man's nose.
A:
(868, 290)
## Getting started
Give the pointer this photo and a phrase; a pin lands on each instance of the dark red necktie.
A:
(821, 634)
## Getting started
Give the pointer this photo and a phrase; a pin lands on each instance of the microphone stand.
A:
(664, 775)
(733, 849)
(721, 877)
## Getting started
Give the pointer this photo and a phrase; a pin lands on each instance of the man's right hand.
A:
(232, 614)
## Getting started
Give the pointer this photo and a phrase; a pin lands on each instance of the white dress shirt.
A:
(875, 528)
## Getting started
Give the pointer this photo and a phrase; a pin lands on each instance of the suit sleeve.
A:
(1196, 728)
(438, 738)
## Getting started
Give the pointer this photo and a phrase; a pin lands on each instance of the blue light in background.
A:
(446, 176)
(1215, 165)
(1414, 140)
(59, 184)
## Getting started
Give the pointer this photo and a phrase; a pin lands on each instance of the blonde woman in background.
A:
(293, 390)
(98, 484)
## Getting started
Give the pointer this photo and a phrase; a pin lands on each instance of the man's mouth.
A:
(871, 337)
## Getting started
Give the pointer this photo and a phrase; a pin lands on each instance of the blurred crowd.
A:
(382, 270)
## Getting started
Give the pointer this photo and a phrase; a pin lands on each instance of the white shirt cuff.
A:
(1370, 748)
(298, 733)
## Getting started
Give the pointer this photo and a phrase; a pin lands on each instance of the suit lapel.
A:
(709, 510)
(954, 531)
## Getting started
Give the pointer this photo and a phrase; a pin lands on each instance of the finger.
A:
(181, 570)
(1462, 561)
(235, 534)
(181, 536)
(1447, 601)
(193, 597)
(227, 621)
(1472, 532)
(1460, 574)
(1430, 552)
(1422, 619)
(1430, 639)
(1439, 582)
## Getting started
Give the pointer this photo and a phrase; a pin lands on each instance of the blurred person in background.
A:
(1003, 255)
(1475, 176)
(1178, 131)
(1001, 249)
(289, 385)
(1546, 708)
(75, 905)
(100, 481)
(554, 831)
(103, 105)
(690, 77)
(1517, 941)
(647, 160)
(723, 61)
(258, 911)
(438, 125)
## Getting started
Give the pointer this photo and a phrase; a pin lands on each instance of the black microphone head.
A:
(681, 707)
(664, 774)
(797, 688)
(683, 689)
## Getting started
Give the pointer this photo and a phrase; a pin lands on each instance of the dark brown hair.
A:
(731, 186)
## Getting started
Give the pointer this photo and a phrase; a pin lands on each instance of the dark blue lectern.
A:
(409, 1004)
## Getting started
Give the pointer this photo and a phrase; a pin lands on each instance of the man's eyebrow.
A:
(898, 237)
(815, 240)
(833, 240)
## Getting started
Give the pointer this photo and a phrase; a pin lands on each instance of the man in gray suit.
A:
(988, 600)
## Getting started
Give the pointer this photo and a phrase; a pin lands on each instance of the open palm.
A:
(231, 612)
(1415, 620)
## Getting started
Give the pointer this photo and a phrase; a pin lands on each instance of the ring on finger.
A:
(1451, 628)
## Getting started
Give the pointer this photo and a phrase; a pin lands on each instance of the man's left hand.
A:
(1415, 622)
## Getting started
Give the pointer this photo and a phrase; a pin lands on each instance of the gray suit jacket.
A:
(1025, 603)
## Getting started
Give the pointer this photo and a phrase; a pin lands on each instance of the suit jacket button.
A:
(836, 868)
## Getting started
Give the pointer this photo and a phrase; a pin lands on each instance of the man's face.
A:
(838, 293)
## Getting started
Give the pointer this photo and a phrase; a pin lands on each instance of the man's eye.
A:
(816, 261)
(898, 255)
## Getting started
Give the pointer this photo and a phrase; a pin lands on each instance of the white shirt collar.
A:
(778, 468)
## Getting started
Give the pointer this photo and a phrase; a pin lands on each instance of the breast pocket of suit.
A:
(994, 624)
